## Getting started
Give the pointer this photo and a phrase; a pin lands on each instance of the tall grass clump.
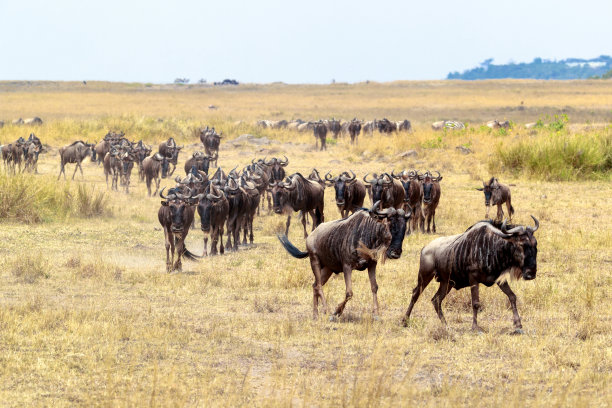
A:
(33, 199)
(558, 156)
(29, 268)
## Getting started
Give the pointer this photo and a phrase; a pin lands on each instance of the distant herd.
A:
(401, 203)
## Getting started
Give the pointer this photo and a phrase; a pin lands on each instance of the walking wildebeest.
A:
(354, 129)
(175, 215)
(74, 153)
(413, 196)
(404, 126)
(387, 190)
(152, 166)
(237, 199)
(334, 127)
(299, 194)
(320, 133)
(350, 192)
(431, 198)
(250, 208)
(200, 160)
(351, 243)
(482, 254)
(497, 194)
(213, 208)
(386, 126)
(211, 140)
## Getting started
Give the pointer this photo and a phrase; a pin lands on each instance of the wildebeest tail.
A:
(191, 256)
(319, 216)
(511, 210)
(293, 251)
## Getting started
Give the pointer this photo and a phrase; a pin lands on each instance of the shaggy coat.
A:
(497, 194)
(299, 194)
(175, 216)
(74, 153)
(413, 196)
(482, 254)
(431, 198)
(351, 243)
(354, 128)
(320, 133)
(388, 191)
(213, 209)
(350, 193)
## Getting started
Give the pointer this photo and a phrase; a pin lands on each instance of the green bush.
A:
(559, 156)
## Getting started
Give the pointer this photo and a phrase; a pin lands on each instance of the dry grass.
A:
(88, 315)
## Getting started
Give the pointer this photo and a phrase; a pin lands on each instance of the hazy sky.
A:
(289, 41)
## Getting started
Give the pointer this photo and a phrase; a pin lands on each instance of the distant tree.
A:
(202, 81)
(181, 81)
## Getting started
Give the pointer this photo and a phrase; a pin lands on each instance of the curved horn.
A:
(390, 179)
(439, 176)
(292, 185)
(161, 194)
(328, 177)
(284, 163)
(395, 176)
(537, 225)
(513, 231)
(354, 176)
(372, 181)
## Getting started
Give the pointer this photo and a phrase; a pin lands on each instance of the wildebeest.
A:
(213, 208)
(176, 215)
(431, 198)
(334, 127)
(404, 126)
(315, 176)
(237, 199)
(200, 160)
(413, 196)
(387, 190)
(351, 243)
(497, 194)
(141, 152)
(277, 168)
(386, 126)
(250, 208)
(299, 194)
(350, 192)
(482, 254)
(74, 153)
(211, 140)
(152, 166)
(31, 157)
(320, 133)
(354, 128)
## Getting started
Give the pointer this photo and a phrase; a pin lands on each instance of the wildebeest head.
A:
(277, 167)
(280, 194)
(340, 184)
(396, 221)
(381, 187)
(525, 247)
(488, 188)
(406, 178)
(177, 203)
(207, 201)
(428, 185)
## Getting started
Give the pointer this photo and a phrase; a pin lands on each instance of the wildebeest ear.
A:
(479, 188)
(164, 203)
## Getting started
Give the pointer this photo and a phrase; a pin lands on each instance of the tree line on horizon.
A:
(570, 68)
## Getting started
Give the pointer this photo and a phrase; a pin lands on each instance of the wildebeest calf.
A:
(496, 194)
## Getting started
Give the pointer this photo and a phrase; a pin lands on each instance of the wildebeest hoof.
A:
(517, 331)
(333, 318)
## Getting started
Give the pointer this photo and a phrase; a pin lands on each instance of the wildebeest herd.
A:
(401, 203)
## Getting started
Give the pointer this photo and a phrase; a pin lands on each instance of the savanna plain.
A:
(89, 316)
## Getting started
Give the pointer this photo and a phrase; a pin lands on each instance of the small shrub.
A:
(435, 143)
(30, 268)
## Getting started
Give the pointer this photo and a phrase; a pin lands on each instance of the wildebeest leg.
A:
(349, 289)
(317, 287)
(180, 248)
(228, 244)
(288, 223)
(251, 237)
(76, 167)
(487, 213)
(168, 260)
(374, 287)
(518, 327)
(216, 238)
(433, 220)
(500, 212)
(269, 196)
(425, 276)
(157, 181)
(509, 207)
(475, 308)
(206, 244)
(62, 170)
(443, 290)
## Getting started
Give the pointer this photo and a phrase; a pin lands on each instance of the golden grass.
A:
(88, 315)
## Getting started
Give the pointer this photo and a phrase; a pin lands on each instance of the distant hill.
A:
(571, 68)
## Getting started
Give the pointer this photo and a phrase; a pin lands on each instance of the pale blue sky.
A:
(294, 42)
